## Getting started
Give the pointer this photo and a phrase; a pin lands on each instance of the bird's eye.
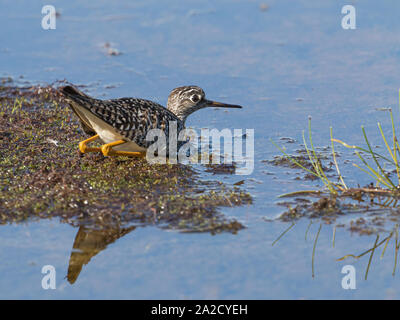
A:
(195, 98)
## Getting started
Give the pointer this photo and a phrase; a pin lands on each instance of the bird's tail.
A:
(72, 92)
(74, 96)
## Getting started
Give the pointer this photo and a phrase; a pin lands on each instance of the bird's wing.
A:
(131, 117)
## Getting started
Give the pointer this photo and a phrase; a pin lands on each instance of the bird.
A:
(122, 124)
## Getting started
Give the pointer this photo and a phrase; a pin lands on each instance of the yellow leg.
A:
(85, 149)
(107, 150)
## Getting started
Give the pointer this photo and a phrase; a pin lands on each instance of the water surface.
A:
(283, 64)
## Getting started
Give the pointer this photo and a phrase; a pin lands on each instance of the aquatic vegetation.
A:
(381, 175)
(385, 189)
(377, 203)
(313, 165)
(372, 209)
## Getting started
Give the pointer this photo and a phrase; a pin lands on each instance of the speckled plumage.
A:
(133, 117)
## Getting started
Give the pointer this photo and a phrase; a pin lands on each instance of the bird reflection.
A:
(89, 242)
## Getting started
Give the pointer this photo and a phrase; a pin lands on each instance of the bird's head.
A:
(183, 101)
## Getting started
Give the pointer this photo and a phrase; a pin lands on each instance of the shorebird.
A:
(122, 124)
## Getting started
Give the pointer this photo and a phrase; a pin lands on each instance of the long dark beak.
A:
(210, 103)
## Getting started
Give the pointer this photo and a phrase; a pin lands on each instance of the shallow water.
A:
(283, 64)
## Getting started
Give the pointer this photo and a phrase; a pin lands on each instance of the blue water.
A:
(283, 64)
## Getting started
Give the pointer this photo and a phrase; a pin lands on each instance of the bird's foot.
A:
(107, 150)
(85, 149)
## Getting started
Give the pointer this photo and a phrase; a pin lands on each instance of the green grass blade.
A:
(394, 147)
(375, 175)
(335, 161)
(283, 233)
(363, 150)
(385, 141)
(314, 163)
(376, 161)
(317, 161)
(370, 257)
